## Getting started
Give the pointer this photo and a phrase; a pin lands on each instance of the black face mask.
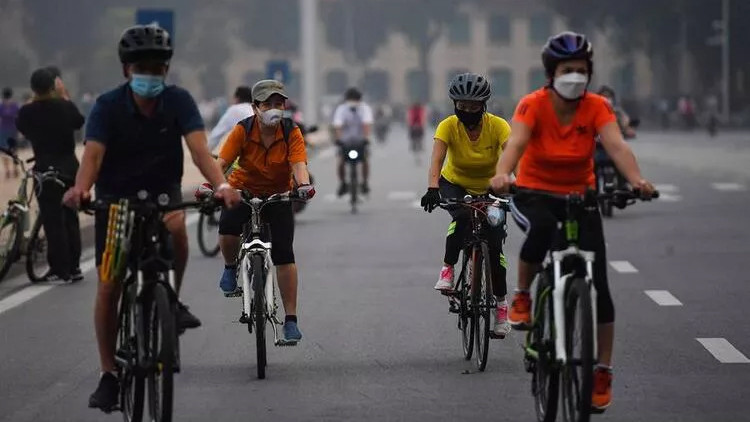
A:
(470, 120)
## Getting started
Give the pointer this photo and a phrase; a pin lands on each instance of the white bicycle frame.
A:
(252, 248)
(558, 295)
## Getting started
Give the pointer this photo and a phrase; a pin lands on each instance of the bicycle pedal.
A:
(597, 411)
(236, 293)
(286, 343)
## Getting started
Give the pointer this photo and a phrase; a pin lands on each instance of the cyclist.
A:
(352, 121)
(133, 143)
(416, 119)
(8, 113)
(472, 139)
(553, 137)
(601, 157)
(267, 162)
(241, 109)
(49, 123)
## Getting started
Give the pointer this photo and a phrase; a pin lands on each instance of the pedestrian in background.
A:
(49, 123)
(8, 133)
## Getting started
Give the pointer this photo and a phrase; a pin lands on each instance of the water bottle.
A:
(495, 214)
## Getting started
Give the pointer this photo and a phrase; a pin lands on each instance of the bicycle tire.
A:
(577, 387)
(481, 294)
(465, 319)
(207, 221)
(259, 317)
(132, 381)
(162, 336)
(353, 188)
(10, 247)
(545, 385)
(36, 253)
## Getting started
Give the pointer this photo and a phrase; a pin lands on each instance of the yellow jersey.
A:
(469, 164)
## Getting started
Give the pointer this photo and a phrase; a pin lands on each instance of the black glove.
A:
(431, 199)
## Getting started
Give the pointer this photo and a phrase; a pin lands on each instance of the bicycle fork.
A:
(558, 297)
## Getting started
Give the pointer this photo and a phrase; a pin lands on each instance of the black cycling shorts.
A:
(280, 220)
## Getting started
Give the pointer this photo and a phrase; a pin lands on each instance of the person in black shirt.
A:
(49, 123)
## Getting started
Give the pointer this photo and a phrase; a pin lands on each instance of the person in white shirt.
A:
(241, 109)
(353, 121)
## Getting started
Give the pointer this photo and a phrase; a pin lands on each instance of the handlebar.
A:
(15, 157)
(473, 200)
(142, 204)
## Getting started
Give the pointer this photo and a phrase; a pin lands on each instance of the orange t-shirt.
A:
(560, 158)
(263, 171)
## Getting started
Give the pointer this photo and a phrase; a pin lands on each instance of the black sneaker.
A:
(365, 188)
(185, 319)
(76, 275)
(107, 394)
(343, 189)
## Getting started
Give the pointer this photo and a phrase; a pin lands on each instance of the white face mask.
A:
(272, 117)
(571, 86)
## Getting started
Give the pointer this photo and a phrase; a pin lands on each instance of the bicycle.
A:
(14, 222)
(258, 280)
(472, 299)
(138, 251)
(354, 154)
(208, 232)
(564, 313)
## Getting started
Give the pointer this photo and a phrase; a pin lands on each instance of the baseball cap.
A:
(263, 90)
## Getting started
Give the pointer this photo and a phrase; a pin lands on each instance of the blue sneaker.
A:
(291, 333)
(228, 282)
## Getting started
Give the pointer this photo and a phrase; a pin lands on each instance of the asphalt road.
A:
(379, 343)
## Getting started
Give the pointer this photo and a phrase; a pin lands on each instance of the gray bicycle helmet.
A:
(145, 42)
(469, 87)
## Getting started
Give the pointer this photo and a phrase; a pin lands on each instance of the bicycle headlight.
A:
(353, 154)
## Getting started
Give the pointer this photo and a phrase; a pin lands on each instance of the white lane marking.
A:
(401, 196)
(723, 350)
(326, 153)
(728, 187)
(623, 267)
(34, 290)
(666, 188)
(663, 298)
(668, 197)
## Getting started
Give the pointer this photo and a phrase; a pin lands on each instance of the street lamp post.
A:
(725, 84)
(309, 44)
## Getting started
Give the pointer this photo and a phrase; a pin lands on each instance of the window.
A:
(376, 86)
(537, 79)
(336, 82)
(502, 81)
(459, 30)
(499, 29)
(416, 85)
(540, 28)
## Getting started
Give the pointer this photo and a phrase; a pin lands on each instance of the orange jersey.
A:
(560, 158)
(263, 171)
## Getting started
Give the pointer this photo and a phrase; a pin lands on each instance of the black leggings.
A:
(280, 220)
(538, 215)
(460, 227)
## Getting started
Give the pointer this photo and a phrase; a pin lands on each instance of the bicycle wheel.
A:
(465, 318)
(578, 373)
(208, 233)
(132, 382)
(259, 311)
(354, 189)
(162, 336)
(481, 302)
(545, 379)
(10, 241)
(37, 266)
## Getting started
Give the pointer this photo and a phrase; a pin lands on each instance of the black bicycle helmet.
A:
(566, 46)
(469, 87)
(145, 42)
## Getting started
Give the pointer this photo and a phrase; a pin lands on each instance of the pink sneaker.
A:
(501, 328)
(445, 282)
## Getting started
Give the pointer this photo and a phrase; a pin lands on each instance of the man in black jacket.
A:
(49, 123)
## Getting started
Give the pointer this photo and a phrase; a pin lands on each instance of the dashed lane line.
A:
(723, 350)
(663, 298)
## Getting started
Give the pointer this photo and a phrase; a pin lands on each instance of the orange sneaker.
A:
(601, 395)
(519, 316)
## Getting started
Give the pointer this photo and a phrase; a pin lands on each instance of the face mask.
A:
(571, 86)
(470, 120)
(271, 117)
(148, 86)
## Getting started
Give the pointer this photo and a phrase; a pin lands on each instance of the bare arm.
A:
(366, 130)
(439, 151)
(198, 146)
(301, 174)
(620, 152)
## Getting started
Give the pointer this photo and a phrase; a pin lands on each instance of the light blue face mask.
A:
(148, 86)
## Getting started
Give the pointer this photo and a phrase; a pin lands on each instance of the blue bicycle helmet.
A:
(566, 46)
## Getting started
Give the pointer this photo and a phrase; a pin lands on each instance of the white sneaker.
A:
(501, 328)
(445, 282)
